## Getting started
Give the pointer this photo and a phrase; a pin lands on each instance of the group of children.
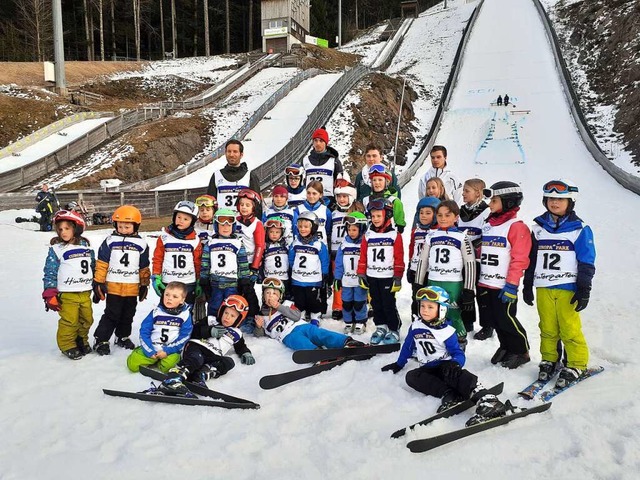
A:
(299, 249)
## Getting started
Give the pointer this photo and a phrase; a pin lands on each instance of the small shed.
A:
(410, 9)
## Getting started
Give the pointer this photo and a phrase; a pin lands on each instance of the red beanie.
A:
(322, 134)
(280, 190)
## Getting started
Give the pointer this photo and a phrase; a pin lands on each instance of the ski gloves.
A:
(509, 293)
(50, 297)
(394, 367)
(364, 283)
(99, 291)
(143, 291)
(218, 331)
(582, 298)
(468, 300)
(158, 286)
(247, 359)
(397, 284)
(337, 285)
(527, 295)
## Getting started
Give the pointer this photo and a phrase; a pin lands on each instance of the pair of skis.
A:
(220, 399)
(533, 390)
(325, 359)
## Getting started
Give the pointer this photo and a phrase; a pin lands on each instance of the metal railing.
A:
(626, 179)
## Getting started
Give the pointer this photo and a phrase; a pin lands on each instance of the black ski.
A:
(310, 356)
(198, 389)
(458, 408)
(159, 398)
(424, 444)
(274, 381)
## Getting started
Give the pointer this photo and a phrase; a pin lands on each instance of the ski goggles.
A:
(271, 282)
(377, 204)
(293, 171)
(355, 221)
(342, 183)
(237, 302)
(225, 220)
(377, 168)
(428, 294)
(250, 194)
(488, 193)
(206, 201)
(273, 223)
(558, 186)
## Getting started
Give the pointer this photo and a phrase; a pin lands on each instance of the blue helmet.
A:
(431, 202)
(437, 295)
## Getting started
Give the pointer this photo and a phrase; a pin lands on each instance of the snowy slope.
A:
(337, 425)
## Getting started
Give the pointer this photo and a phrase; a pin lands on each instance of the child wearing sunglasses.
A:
(380, 178)
(441, 359)
(562, 266)
(224, 262)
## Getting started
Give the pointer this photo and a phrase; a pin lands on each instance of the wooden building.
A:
(410, 8)
(284, 22)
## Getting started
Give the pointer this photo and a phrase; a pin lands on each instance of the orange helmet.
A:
(239, 304)
(127, 213)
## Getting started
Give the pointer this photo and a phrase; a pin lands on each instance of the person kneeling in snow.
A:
(441, 359)
(281, 320)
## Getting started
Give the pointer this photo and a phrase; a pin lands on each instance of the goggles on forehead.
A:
(206, 201)
(377, 204)
(272, 282)
(427, 294)
(273, 223)
(293, 171)
(236, 303)
(225, 220)
(377, 168)
(354, 221)
(250, 194)
(488, 193)
(558, 186)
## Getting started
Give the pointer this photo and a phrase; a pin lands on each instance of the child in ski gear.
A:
(448, 261)
(204, 227)
(314, 204)
(68, 274)
(504, 255)
(205, 354)
(380, 270)
(281, 209)
(322, 164)
(424, 224)
(435, 188)
(164, 331)
(178, 252)
(296, 186)
(224, 261)
(354, 297)
(345, 194)
(276, 253)
(380, 178)
(440, 357)
(562, 266)
(473, 214)
(281, 320)
(309, 260)
(122, 275)
(251, 230)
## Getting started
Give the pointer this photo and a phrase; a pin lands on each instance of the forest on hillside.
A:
(147, 29)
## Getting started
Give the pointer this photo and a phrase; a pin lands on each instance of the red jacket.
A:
(398, 257)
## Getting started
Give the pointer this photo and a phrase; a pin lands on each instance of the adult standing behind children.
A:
(440, 169)
(233, 177)
(372, 156)
(322, 164)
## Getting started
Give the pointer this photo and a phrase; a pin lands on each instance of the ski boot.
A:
(547, 370)
(84, 348)
(204, 373)
(315, 319)
(514, 360)
(359, 328)
(73, 353)
(102, 348)
(336, 314)
(174, 385)
(379, 334)
(484, 333)
(392, 336)
(500, 355)
(126, 343)
(488, 407)
(348, 328)
(450, 399)
(567, 377)
(351, 343)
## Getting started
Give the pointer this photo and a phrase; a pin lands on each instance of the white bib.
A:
(166, 328)
(322, 173)
(178, 264)
(245, 232)
(74, 272)
(223, 257)
(228, 191)
(495, 254)
(276, 261)
(445, 256)
(474, 227)
(350, 258)
(419, 238)
(278, 326)
(307, 267)
(338, 229)
(430, 343)
(223, 345)
(124, 264)
(380, 258)
(556, 262)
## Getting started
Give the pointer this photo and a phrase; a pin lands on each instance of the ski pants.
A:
(117, 317)
(502, 317)
(76, 317)
(195, 356)
(307, 299)
(310, 337)
(431, 381)
(218, 294)
(383, 303)
(469, 317)
(454, 289)
(137, 359)
(560, 321)
(354, 304)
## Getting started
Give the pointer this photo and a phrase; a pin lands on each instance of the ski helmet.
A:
(224, 216)
(127, 213)
(430, 202)
(274, 283)
(345, 187)
(251, 195)
(188, 207)
(562, 188)
(509, 192)
(358, 219)
(437, 295)
(295, 170)
(384, 205)
(239, 304)
(379, 170)
(207, 201)
(73, 217)
(310, 217)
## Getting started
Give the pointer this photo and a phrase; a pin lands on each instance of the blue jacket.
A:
(584, 247)
(52, 264)
(158, 318)
(339, 263)
(324, 260)
(314, 208)
(451, 345)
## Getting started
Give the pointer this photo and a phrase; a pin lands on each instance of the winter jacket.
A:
(452, 185)
(363, 188)
(116, 241)
(234, 174)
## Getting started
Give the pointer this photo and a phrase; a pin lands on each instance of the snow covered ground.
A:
(337, 424)
(368, 45)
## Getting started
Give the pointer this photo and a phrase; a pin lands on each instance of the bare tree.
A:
(35, 25)
(207, 50)
(162, 27)
(195, 28)
(100, 5)
(227, 29)
(113, 31)
(136, 26)
(174, 33)
(88, 30)
(250, 25)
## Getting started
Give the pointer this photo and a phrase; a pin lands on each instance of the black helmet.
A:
(509, 192)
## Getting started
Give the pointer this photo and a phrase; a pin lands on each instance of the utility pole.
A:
(58, 48)
(395, 148)
(339, 23)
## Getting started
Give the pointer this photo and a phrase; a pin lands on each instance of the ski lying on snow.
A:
(450, 412)
(160, 398)
(536, 387)
(425, 444)
(589, 372)
(198, 389)
(310, 356)
(274, 381)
